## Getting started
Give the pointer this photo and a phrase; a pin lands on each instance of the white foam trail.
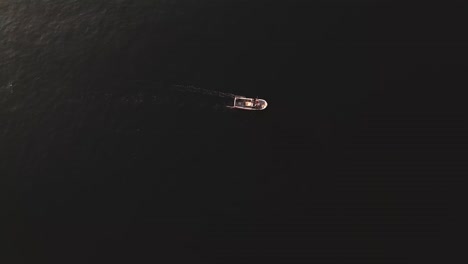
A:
(194, 89)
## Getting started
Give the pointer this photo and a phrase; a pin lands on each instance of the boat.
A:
(245, 103)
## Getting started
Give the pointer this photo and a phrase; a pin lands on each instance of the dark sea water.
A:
(358, 158)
